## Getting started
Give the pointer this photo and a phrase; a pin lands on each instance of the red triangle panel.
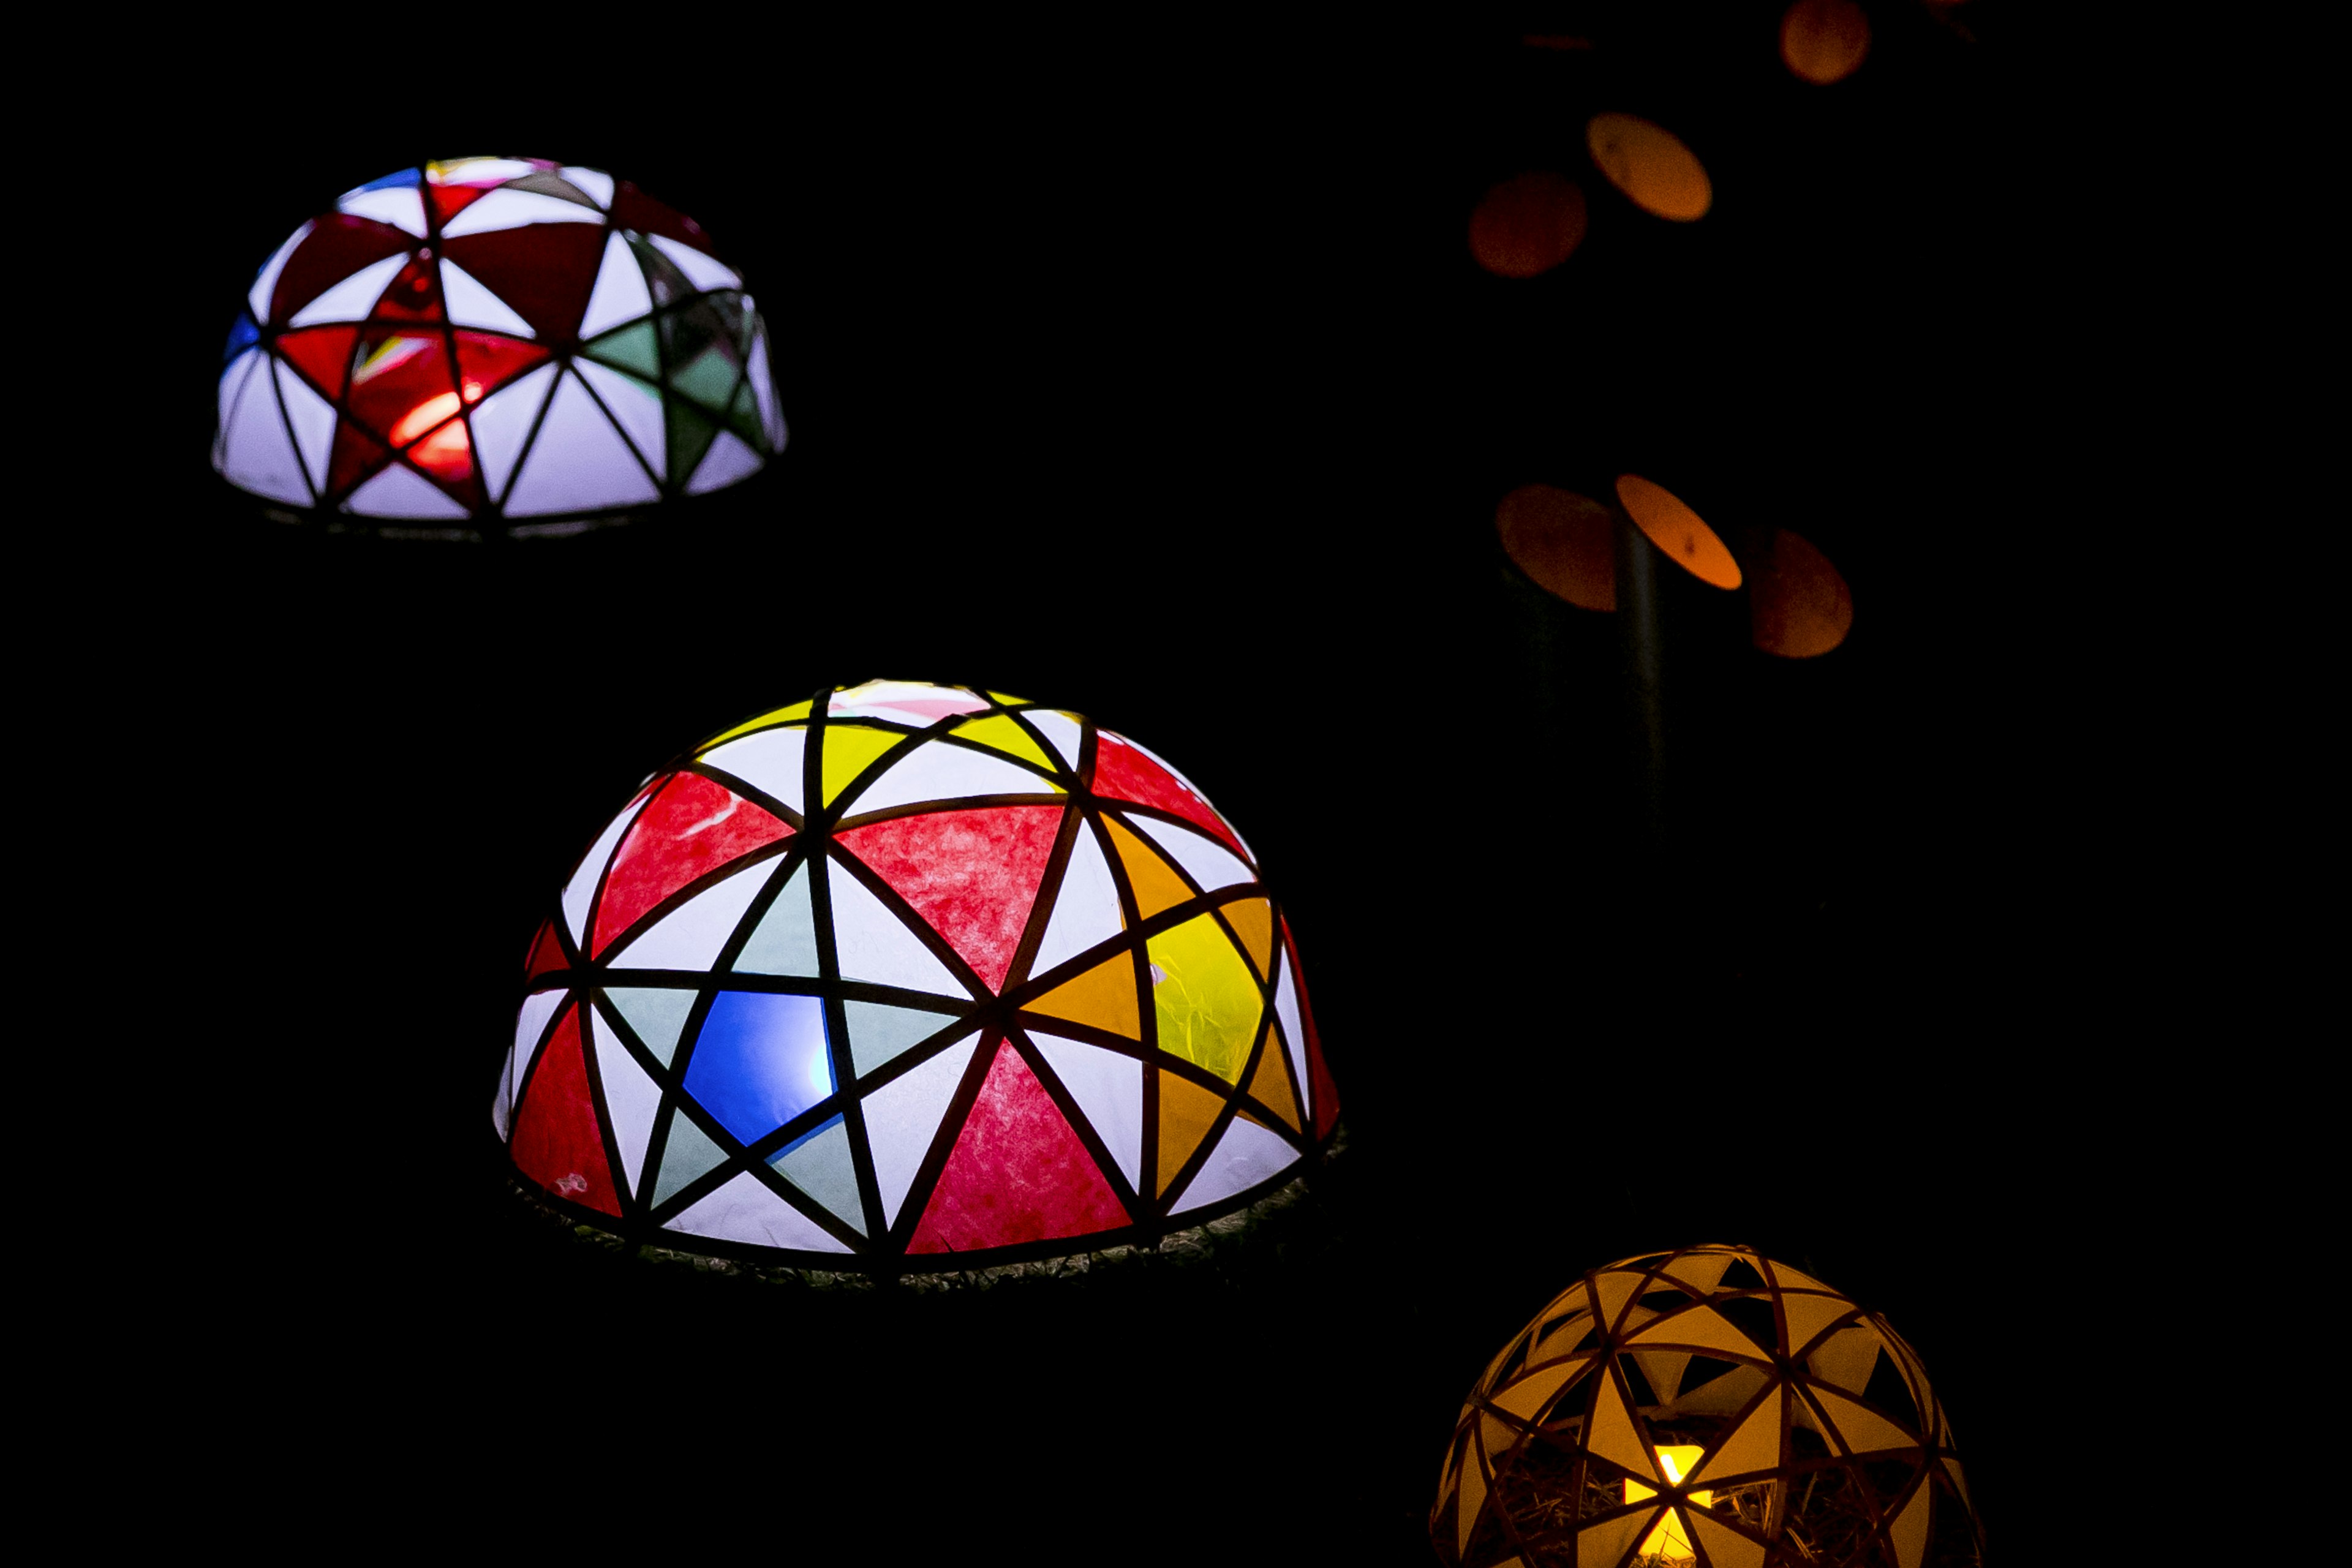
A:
(323, 355)
(632, 208)
(487, 361)
(544, 270)
(546, 954)
(339, 246)
(1017, 1174)
(1122, 772)
(972, 874)
(557, 1142)
(692, 827)
(1325, 1092)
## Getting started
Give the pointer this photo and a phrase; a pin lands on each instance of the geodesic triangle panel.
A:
(1709, 1407)
(494, 345)
(902, 977)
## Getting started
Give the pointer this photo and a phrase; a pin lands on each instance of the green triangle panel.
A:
(820, 1165)
(634, 349)
(689, 1152)
(744, 418)
(659, 1016)
(690, 435)
(877, 1033)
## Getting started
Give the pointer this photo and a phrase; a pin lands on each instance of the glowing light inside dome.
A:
(1666, 1542)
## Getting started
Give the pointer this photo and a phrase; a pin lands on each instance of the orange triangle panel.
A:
(1253, 921)
(1270, 1084)
(1104, 997)
(1156, 887)
(1187, 1112)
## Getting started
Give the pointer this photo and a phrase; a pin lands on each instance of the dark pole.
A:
(1637, 620)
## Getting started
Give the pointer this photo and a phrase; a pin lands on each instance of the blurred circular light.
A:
(1651, 165)
(1824, 41)
(1676, 530)
(1799, 606)
(1564, 542)
(1527, 225)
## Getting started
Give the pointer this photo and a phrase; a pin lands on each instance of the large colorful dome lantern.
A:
(912, 977)
(494, 345)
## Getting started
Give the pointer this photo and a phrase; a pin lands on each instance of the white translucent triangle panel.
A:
(902, 1116)
(579, 463)
(703, 271)
(258, 454)
(1205, 860)
(686, 1154)
(471, 304)
(763, 388)
(1246, 1156)
(690, 935)
(934, 771)
(399, 206)
(871, 944)
(313, 419)
(770, 761)
(785, 942)
(265, 283)
(1087, 909)
(727, 462)
(582, 889)
(635, 406)
(478, 171)
(620, 293)
(512, 209)
(232, 383)
(1061, 732)
(745, 1210)
(402, 491)
(903, 701)
(354, 297)
(1285, 1008)
(657, 1015)
(596, 184)
(1109, 1088)
(820, 1165)
(502, 422)
(1121, 739)
(531, 1023)
(630, 1095)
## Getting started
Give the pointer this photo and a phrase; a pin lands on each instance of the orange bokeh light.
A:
(1527, 225)
(1799, 606)
(1564, 542)
(1651, 165)
(1824, 41)
(1676, 530)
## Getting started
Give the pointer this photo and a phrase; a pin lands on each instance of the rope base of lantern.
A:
(368, 528)
(1268, 1232)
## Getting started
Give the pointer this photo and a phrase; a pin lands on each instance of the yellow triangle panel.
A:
(764, 722)
(1613, 1435)
(1002, 734)
(1103, 996)
(1186, 1113)
(1206, 999)
(848, 748)
(1156, 887)
(1725, 1547)
(1253, 921)
(1755, 1446)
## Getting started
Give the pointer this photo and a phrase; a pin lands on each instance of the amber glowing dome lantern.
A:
(494, 346)
(913, 977)
(1708, 1406)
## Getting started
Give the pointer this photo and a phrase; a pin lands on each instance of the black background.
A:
(1146, 372)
